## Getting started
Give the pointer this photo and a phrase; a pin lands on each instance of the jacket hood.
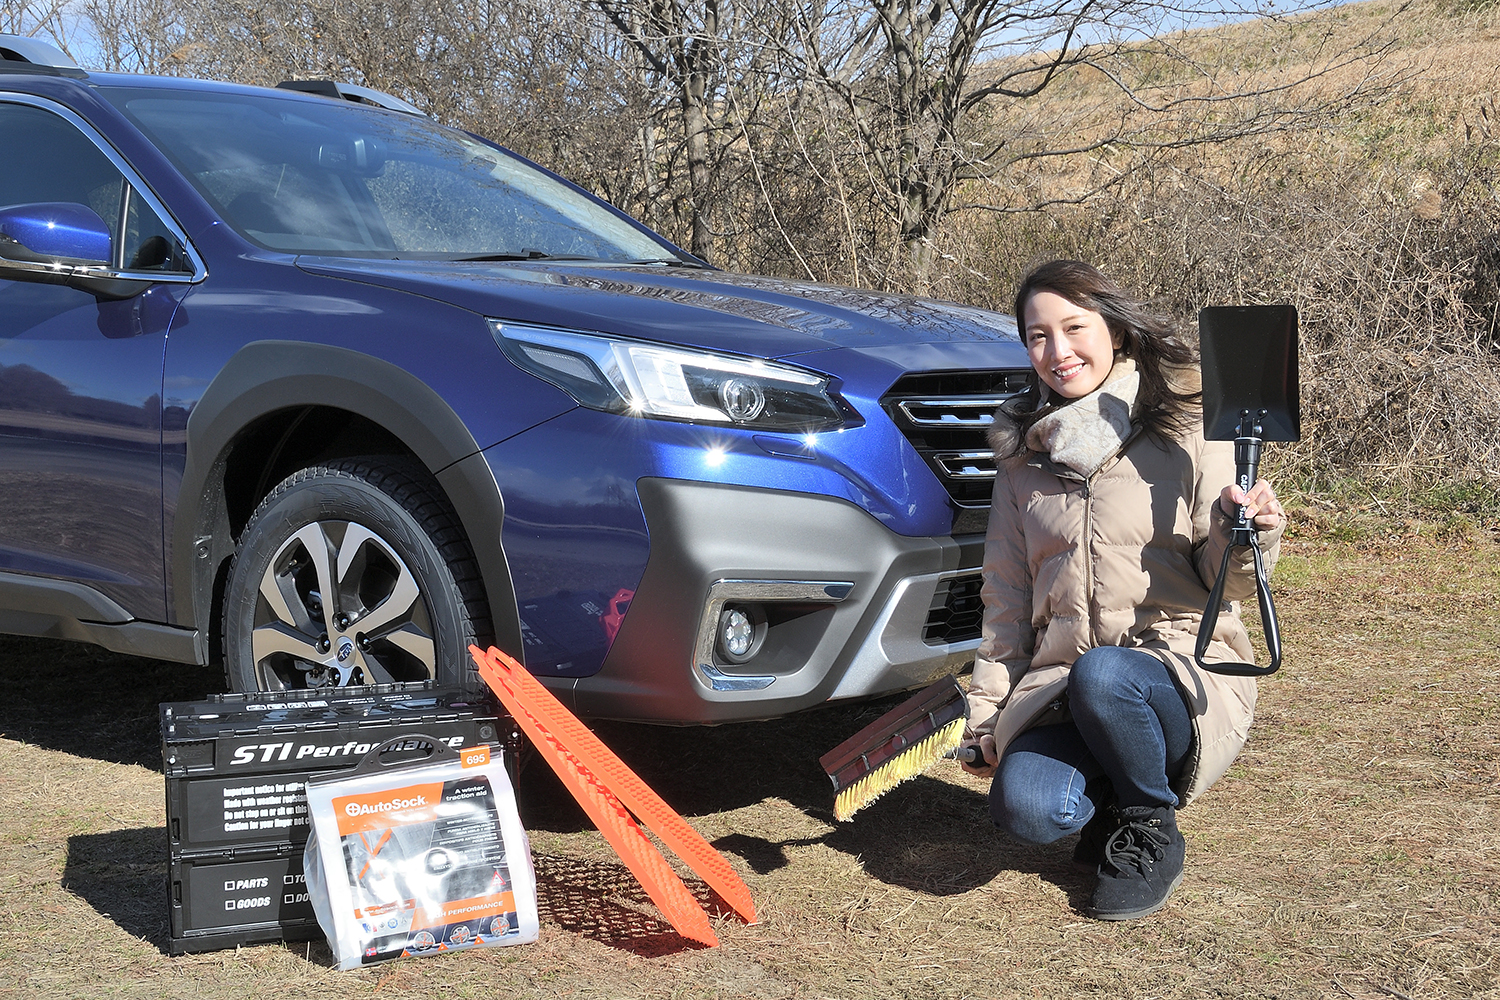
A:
(715, 310)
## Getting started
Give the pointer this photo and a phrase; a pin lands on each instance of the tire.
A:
(378, 537)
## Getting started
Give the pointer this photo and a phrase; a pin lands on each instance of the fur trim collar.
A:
(1087, 432)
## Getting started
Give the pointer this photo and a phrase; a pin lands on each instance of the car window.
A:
(47, 159)
(149, 244)
(314, 176)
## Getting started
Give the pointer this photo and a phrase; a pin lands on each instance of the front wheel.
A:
(353, 572)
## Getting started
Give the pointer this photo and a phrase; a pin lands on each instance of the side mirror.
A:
(54, 232)
(61, 243)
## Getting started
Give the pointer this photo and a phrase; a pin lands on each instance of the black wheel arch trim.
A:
(267, 376)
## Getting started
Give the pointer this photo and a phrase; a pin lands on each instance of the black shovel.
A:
(1250, 396)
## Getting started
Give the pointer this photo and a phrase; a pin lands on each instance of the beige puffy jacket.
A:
(1124, 558)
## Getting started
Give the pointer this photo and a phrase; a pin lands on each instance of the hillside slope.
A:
(1378, 216)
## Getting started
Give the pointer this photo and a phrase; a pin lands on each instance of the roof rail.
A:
(349, 92)
(34, 51)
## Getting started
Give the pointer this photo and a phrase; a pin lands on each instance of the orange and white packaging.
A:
(419, 858)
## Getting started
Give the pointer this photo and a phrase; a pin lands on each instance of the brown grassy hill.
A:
(1377, 213)
(1397, 89)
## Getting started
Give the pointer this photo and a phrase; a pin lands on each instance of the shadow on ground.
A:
(925, 835)
(123, 875)
(89, 702)
(602, 901)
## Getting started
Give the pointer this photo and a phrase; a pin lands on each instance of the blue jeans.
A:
(1130, 724)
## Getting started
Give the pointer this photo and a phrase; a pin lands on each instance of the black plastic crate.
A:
(245, 897)
(236, 770)
(236, 765)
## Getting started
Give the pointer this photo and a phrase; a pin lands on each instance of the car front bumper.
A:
(843, 603)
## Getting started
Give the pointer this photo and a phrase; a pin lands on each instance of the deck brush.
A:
(898, 746)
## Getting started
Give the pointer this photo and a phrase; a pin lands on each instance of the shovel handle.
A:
(1267, 618)
(1247, 447)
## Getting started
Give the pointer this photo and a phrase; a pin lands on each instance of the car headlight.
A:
(644, 379)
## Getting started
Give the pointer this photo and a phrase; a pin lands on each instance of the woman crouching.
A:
(1109, 523)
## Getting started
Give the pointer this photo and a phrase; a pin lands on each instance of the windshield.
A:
(336, 179)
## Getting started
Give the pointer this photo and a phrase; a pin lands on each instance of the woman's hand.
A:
(1260, 504)
(986, 746)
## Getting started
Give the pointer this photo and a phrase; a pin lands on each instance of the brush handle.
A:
(971, 755)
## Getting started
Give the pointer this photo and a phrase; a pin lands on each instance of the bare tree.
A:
(828, 137)
(939, 94)
(37, 18)
(711, 56)
(130, 36)
(552, 84)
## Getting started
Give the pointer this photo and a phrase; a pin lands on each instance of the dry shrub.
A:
(1400, 371)
(1384, 233)
(1369, 200)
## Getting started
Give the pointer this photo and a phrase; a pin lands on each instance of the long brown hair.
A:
(1168, 401)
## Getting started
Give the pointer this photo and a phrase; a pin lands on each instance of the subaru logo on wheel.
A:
(346, 648)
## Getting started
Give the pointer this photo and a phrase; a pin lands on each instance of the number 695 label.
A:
(475, 756)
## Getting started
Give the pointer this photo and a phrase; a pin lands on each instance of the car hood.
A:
(716, 310)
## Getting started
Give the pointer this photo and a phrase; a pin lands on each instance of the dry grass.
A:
(1353, 851)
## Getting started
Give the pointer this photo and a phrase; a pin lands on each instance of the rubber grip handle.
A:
(970, 754)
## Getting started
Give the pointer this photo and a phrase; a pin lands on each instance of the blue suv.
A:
(299, 381)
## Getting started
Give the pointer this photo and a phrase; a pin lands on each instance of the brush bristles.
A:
(906, 765)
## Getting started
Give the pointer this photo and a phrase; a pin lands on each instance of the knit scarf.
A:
(1089, 431)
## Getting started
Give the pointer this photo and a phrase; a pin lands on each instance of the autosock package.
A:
(419, 858)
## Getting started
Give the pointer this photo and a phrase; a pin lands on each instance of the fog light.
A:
(742, 631)
(737, 632)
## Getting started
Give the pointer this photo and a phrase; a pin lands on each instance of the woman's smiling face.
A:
(1071, 347)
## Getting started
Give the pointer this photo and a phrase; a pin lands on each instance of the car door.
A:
(81, 374)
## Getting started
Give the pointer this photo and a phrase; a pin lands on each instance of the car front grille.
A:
(956, 613)
(945, 416)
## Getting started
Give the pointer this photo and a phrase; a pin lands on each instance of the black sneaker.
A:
(1142, 864)
(1088, 853)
